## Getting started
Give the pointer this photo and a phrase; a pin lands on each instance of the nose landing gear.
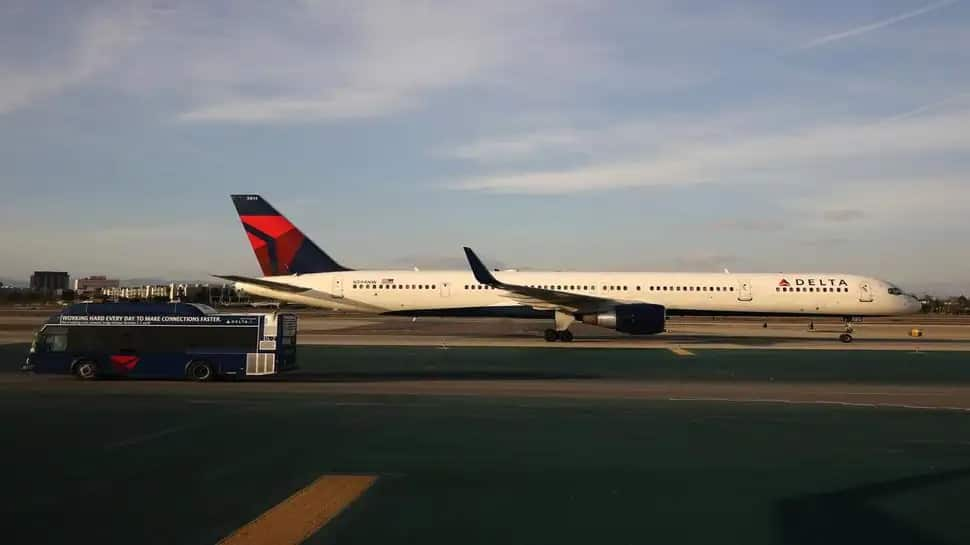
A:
(847, 336)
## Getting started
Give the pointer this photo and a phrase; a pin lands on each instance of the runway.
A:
(442, 431)
(684, 333)
(335, 329)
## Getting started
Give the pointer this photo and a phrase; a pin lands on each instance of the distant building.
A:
(95, 284)
(197, 293)
(49, 281)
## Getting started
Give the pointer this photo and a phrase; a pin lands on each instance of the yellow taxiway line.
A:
(300, 516)
(681, 351)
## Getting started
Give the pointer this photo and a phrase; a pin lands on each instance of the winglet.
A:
(479, 269)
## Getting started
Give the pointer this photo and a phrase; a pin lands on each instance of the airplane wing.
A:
(538, 297)
(308, 292)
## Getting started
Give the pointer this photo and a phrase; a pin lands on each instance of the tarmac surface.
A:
(693, 436)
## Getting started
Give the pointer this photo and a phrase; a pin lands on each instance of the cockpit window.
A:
(895, 291)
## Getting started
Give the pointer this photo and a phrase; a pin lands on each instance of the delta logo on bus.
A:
(819, 282)
(124, 363)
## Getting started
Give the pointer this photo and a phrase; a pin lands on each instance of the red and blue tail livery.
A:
(279, 246)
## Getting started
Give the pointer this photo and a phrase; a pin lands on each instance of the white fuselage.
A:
(714, 293)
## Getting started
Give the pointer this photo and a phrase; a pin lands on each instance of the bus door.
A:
(286, 339)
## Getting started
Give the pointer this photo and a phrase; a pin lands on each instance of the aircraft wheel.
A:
(566, 336)
(551, 335)
(845, 337)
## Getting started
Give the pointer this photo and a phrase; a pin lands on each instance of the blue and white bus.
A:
(172, 340)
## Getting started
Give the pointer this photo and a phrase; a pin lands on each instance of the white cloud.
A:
(759, 156)
(385, 58)
(341, 104)
(103, 36)
(521, 146)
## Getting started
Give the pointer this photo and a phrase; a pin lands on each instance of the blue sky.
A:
(758, 136)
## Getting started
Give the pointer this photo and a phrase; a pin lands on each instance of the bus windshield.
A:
(51, 339)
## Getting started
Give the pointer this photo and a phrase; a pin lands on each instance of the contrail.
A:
(925, 108)
(875, 26)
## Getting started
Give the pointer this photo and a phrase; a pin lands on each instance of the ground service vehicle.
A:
(171, 340)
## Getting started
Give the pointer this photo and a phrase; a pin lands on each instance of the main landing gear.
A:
(847, 336)
(561, 332)
(552, 335)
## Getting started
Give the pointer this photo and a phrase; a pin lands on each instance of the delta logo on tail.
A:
(280, 247)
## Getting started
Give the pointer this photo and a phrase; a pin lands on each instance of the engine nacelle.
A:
(635, 319)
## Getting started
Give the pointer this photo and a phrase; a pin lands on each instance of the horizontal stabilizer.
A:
(279, 286)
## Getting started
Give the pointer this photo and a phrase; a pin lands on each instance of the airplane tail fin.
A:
(279, 246)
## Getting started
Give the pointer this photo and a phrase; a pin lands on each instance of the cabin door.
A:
(744, 290)
(338, 287)
(865, 292)
(445, 289)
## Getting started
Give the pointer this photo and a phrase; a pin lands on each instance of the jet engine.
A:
(635, 319)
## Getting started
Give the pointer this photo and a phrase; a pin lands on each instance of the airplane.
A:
(296, 270)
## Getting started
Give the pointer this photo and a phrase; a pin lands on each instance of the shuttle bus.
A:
(172, 340)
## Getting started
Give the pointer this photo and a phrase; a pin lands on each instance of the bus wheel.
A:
(200, 371)
(85, 370)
